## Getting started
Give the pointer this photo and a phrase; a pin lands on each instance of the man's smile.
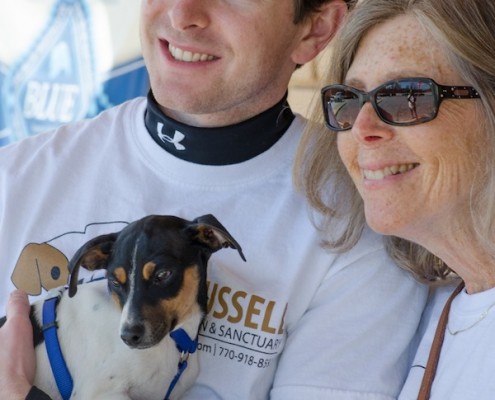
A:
(188, 56)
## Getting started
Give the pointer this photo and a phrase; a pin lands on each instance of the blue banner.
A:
(57, 80)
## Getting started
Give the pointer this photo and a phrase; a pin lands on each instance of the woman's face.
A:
(414, 180)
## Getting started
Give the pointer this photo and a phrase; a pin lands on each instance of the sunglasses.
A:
(401, 102)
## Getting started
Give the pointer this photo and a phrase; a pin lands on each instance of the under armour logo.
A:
(178, 136)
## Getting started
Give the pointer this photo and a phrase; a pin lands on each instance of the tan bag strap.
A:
(436, 348)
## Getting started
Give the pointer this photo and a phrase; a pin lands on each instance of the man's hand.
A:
(18, 362)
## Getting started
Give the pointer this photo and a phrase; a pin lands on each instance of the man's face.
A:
(215, 63)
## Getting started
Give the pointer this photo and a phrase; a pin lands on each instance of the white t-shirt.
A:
(293, 322)
(465, 368)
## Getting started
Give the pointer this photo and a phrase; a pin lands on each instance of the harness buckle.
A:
(184, 356)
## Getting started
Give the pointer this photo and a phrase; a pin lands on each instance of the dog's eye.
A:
(115, 283)
(162, 276)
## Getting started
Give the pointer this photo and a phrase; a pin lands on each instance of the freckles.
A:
(411, 48)
(447, 71)
(415, 48)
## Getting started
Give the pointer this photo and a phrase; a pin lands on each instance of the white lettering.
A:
(52, 102)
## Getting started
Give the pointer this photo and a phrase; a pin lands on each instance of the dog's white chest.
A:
(102, 366)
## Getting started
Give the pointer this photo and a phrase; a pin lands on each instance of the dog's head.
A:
(156, 270)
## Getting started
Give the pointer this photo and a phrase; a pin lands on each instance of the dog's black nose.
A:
(132, 335)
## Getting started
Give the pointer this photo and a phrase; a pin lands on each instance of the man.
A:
(217, 136)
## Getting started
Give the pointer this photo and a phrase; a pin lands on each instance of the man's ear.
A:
(319, 29)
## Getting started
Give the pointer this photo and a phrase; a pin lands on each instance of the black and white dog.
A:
(128, 336)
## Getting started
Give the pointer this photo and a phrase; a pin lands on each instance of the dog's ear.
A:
(92, 255)
(209, 232)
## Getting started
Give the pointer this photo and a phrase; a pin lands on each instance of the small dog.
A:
(116, 335)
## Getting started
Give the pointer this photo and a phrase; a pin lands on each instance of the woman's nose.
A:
(368, 127)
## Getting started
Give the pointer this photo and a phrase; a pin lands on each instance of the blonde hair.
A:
(465, 29)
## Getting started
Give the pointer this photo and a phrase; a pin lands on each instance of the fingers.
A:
(18, 321)
(17, 364)
(18, 305)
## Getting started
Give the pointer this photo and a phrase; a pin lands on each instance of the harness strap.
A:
(186, 346)
(59, 368)
(62, 376)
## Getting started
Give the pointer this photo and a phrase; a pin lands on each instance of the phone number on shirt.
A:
(243, 357)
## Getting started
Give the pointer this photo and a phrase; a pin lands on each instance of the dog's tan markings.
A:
(186, 297)
(180, 307)
(209, 236)
(116, 300)
(148, 270)
(121, 275)
(93, 259)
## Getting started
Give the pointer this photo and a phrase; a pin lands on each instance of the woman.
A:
(426, 179)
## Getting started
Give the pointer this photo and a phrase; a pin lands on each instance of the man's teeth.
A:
(379, 174)
(188, 56)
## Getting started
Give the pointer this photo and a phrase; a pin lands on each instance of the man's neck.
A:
(218, 146)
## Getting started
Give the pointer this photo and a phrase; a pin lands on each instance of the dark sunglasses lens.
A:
(341, 107)
(407, 102)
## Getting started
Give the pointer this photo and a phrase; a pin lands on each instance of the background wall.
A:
(306, 83)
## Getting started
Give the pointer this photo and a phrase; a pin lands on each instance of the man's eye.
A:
(162, 276)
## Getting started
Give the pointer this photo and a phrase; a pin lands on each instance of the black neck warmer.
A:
(218, 146)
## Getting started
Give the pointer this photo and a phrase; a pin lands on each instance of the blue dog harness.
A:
(184, 344)
(57, 362)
